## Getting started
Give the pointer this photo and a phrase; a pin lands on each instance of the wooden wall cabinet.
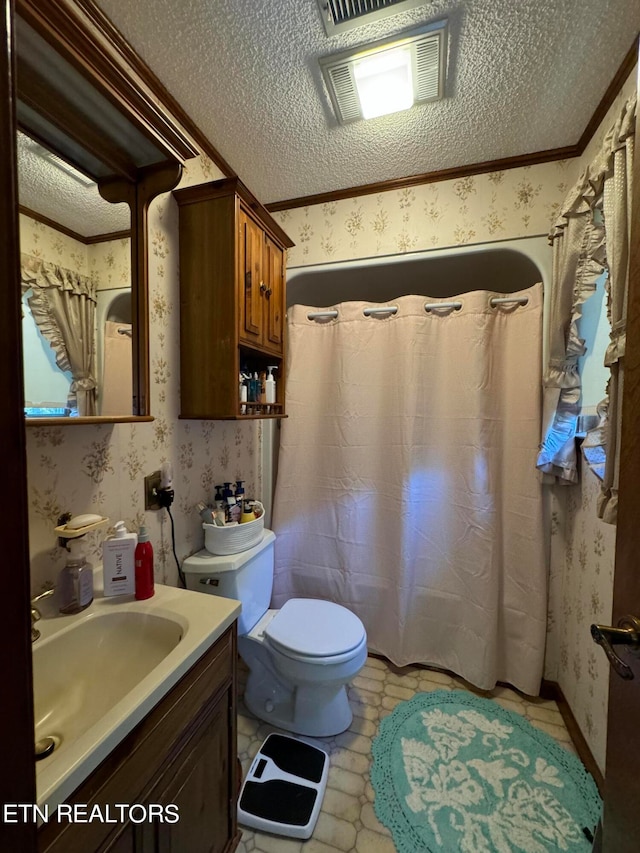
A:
(232, 299)
(184, 753)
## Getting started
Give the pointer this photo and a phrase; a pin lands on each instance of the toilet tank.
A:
(247, 577)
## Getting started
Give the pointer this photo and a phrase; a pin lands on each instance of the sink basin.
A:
(81, 673)
(98, 673)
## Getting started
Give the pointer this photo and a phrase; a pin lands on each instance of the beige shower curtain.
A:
(407, 487)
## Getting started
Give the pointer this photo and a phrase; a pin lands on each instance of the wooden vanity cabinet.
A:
(232, 299)
(183, 753)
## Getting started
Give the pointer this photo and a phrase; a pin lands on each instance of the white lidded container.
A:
(246, 577)
(118, 561)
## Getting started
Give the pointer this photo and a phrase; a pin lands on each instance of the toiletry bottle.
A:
(270, 387)
(255, 388)
(236, 510)
(243, 395)
(118, 561)
(144, 566)
(229, 501)
(220, 507)
(247, 512)
(75, 582)
(205, 513)
(262, 383)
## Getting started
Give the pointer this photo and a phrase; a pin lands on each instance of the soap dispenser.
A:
(118, 561)
(75, 582)
(270, 387)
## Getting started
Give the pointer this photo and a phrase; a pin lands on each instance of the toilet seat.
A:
(316, 631)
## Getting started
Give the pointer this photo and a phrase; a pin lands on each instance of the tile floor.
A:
(347, 822)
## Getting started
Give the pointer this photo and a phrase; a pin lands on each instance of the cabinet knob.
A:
(268, 292)
(263, 287)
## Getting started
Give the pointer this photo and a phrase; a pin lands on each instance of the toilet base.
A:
(316, 711)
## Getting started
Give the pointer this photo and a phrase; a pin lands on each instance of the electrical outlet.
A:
(151, 486)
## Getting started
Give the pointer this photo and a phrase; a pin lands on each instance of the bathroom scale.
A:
(284, 788)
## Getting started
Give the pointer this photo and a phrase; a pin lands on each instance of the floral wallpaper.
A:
(44, 242)
(482, 208)
(101, 468)
(582, 565)
(107, 263)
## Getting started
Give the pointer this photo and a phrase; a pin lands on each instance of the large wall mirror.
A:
(77, 331)
(95, 145)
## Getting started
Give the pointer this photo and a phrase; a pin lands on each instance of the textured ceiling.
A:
(49, 191)
(523, 76)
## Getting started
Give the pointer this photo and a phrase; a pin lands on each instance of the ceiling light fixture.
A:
(67, 168)
(387, 76)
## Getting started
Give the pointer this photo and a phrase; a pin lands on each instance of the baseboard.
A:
(552, 690)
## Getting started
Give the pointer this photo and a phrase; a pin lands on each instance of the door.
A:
(274, 296)
(621, 823)
(18, 777)
(251, 284)
(202, 791)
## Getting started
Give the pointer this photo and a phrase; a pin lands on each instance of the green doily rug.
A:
(455, 772)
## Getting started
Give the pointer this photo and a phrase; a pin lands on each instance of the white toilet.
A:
(300, 657)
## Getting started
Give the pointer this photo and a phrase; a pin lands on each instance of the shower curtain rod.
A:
(428, 306)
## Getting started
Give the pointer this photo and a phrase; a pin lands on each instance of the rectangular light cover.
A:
(387, 76)
(384, 82)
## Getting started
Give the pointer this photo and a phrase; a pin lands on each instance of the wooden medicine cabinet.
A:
(232, 300)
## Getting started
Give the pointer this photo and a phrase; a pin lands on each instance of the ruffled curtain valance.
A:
(63, 305)
(591, 235)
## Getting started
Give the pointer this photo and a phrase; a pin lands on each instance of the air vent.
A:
(346, 95)
(424, 52)
(341, 15)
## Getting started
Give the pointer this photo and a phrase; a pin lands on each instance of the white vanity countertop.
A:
(202, 620)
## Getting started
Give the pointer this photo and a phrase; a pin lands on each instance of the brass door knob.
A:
(627, 634)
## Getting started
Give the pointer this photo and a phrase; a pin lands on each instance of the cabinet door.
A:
(129, 840)
(202, 790)
(251, 285)
(274, 296)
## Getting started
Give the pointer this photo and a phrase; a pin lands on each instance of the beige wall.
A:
(108, 263)
(101, 468)
(477, 209)
(44, 242)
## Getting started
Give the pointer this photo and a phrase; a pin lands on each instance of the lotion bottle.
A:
(118, 561)
(270, 387)
(144, 566)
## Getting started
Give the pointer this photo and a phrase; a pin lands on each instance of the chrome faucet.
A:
(47, 590)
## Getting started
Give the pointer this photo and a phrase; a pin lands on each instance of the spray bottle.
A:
(144, 566)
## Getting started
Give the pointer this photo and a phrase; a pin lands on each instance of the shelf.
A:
(262, 410)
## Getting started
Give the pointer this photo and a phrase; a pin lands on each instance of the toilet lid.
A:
(315, 628)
